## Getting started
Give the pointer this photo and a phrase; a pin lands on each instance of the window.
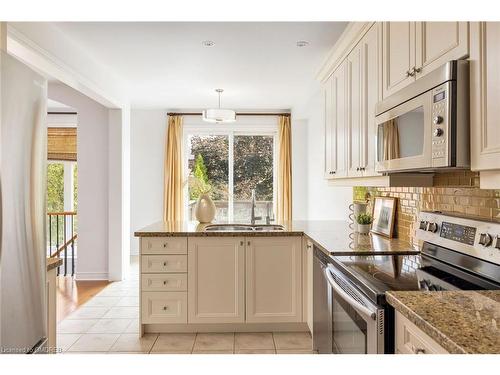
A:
(232, 162)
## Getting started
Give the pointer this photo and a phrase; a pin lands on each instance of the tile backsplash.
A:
(456, 192)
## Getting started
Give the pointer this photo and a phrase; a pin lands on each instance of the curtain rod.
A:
(237, 114)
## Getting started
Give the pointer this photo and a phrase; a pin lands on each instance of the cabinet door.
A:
(371, 94)
(330, 152)
(340, 119)
(438, 43)
(398, 58)
(273, 279)
(485, 95)
(354, 109)
(216, 279)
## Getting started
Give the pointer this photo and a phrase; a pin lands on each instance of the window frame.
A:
(251, 127)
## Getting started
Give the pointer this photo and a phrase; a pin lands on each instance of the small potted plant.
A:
(364, 221)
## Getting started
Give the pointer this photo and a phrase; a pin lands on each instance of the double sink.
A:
(244, 228)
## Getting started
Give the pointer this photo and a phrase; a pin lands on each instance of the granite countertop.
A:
(459, 321)
(53, 263)
(334, 237)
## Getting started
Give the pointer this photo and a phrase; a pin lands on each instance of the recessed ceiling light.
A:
(208, 43)
(302, 43)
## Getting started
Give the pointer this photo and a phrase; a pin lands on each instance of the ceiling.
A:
(165, 65)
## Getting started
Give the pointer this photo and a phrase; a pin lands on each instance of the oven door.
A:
(357, 324)
(404, 136)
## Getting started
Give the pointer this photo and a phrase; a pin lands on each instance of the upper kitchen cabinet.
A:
(413, 49)
(398, 55)
(336, 118)
(438, 43)
(485, 96)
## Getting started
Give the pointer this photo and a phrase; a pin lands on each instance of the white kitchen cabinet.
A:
(398, 55)
(273, 279)
(413, 49)
(335, 95)
(355, 106)
(439, 42)
(485, 97)
(216, 280)
(330, 151)
(412, 340)
(307, 284)
(340, 118)
(364, 94)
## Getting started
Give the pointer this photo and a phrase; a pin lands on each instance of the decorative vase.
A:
(364, 228)
(205, 209)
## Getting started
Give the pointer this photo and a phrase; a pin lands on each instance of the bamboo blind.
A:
(61, 144)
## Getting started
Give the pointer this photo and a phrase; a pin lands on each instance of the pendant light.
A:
(219, 115)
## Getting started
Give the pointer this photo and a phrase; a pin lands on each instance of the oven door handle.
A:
(363, 310)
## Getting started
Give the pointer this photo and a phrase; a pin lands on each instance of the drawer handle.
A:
(165, 244)
(165, 282)
(165, 308)
(164, 264)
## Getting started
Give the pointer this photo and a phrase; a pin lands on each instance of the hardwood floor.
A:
(71, 294)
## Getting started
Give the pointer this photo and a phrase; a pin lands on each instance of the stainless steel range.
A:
(350, 311)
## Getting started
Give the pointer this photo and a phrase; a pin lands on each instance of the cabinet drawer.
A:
(165, 282)
(163, 263)
(412, 340)
(163, 307)
(164, 245)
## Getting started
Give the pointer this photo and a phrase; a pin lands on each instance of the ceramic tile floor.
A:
(108, 323)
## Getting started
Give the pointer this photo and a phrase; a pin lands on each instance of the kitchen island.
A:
(200, 278)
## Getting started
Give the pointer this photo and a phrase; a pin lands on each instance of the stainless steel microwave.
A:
(425, 126)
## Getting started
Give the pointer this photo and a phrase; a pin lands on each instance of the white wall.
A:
(148, 130)
(92, 150)
(324, 202)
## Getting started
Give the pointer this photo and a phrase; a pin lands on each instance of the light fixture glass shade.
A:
(219, 115)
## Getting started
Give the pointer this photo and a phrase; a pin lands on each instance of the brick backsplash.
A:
(456, 192)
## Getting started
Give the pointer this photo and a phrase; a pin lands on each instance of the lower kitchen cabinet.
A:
(273, 279)
(412, 340)
(216, 280)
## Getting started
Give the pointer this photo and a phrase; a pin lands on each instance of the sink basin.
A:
(228, 228)
(268, 228)
(243, 228)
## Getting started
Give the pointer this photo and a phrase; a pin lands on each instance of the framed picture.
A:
(384, 209)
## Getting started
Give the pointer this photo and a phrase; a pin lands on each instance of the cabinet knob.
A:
(241, 243)
(164, 264)
(417, 70)
(165, 308)
(165, 244)
(419, 351)
(165, 282)
(248, 243)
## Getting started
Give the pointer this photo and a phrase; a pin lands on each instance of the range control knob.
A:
(438, 132)
(423, 225)
(437, 120)
(485, 239)
(497, 241)
(432, 227)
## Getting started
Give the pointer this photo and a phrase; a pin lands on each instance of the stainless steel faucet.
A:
(254, 203)
(269, 214)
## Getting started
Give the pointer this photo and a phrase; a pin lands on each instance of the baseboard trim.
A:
(91, 276)
(226, 327)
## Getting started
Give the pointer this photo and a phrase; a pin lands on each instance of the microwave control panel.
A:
(440, 108)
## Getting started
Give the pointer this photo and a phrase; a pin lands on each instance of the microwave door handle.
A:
(359, 307)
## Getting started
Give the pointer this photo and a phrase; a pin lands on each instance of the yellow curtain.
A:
(284, 206)
(173, 200)
(391, 140)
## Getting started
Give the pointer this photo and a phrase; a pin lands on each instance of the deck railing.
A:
(61, 239)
